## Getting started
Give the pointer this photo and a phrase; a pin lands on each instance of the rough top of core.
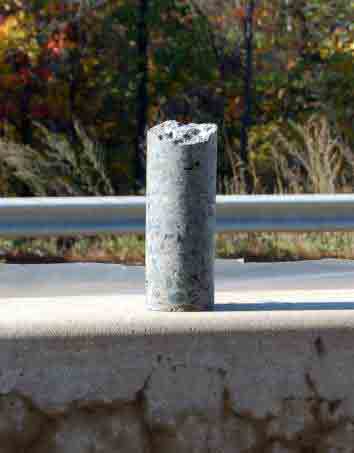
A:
(184, 134)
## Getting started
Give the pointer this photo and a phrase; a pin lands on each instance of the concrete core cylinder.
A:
(180, 216)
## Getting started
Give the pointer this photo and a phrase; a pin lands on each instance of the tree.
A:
(120, 66)
(142, 90)
(248, 21)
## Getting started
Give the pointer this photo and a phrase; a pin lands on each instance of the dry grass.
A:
(311, 158)
(59, 168)
(289, 157)
(286, 246)
(130, 249)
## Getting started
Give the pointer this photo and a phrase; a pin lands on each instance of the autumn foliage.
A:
(59, 64)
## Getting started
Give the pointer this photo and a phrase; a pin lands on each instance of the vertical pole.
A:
(180, 216)
(248, 81)
(142, 92)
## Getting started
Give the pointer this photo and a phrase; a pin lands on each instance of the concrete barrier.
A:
(101, 373)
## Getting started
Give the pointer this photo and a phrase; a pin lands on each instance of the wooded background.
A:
(82, 81)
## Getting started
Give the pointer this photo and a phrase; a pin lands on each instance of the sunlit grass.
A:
(130, 248)
(286, 246)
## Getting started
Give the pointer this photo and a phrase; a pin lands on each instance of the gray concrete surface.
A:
(231, 276)
(82, 370)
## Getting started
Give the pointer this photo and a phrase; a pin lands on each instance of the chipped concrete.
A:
(183, 134)
(103, 374)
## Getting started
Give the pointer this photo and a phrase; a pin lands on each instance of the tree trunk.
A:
(142, 93)
(26, 130)
(248, 80)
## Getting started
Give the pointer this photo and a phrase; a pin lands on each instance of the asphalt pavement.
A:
(233, 279)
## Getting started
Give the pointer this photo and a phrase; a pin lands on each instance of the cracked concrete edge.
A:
(173, 402)
(309, 426)
(98, 351)
(236, 388)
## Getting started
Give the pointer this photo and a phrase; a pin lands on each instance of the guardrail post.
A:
(180, 216)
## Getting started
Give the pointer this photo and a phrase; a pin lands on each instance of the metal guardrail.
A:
(31, 217)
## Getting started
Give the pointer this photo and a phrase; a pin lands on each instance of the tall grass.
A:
(59, 167)
(311, 158)
(289, 157)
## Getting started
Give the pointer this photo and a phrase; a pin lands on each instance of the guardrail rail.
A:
(60, 216)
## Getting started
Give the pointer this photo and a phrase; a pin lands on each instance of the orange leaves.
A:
(7, 24)
(15, 39)
(62, 7)
(59, 41)
(219, 19)
(234, 108)
(13, 81)
(13, 26)
(259, 14)
(44, 73)
(54, 47)
(290, 64)
(239, 13)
